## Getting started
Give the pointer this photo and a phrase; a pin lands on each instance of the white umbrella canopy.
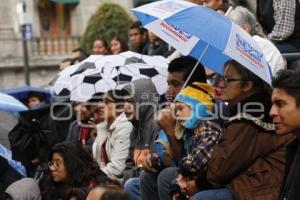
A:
(103, 73)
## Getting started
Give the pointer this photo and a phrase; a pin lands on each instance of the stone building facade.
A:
(56, 29)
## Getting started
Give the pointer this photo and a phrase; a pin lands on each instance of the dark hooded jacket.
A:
(37, 131)
(145, 98)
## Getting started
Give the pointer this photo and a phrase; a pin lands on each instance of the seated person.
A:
(158, 47)
(111, 146)
(35, 99)
(141, 101)
(69, 166)
(80, 129)
(194, 108)
(280, 19)
(118, 45)
(100, 47)
(138, 37)
(248, 161)
(105, 191)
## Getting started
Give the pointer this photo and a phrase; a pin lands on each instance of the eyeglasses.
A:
(107, 101)
(54, 164)
(226, 80)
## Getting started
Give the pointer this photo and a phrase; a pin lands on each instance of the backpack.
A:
(163, 150)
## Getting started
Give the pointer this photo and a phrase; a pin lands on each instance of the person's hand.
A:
(139, 155)
(166, 120)
(147, 165)
(93, 134)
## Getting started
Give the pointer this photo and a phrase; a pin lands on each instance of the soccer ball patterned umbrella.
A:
(102, 73)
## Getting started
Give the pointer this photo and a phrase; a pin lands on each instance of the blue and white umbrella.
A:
(22, 93)
(10, 104)
(203, 34)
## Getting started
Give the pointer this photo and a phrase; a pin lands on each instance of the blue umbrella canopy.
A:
(22, 93)
(7, 122)
(10, 104)
(204, 34)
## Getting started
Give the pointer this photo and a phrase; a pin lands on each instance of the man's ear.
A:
(145, 36)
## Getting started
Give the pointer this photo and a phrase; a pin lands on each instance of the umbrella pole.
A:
(200, 58)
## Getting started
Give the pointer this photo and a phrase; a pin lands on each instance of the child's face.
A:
(182, 111)
(33, 101)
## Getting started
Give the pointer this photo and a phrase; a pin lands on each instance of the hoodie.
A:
(24, 189)
(146, 99)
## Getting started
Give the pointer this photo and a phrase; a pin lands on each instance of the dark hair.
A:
(116, 95)
(96, 98)
(225, 6)
(81, 50)
(114, 195)
(38, 95)
(67, 60)
(81, 168)
(289, 80)
(79, 59)
(79, 193)
(185, 65)
(5, 196)
(246, 75)
(138, 25)
(104, 42)
(123, 43)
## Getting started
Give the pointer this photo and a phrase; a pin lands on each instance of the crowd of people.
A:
(221, 137)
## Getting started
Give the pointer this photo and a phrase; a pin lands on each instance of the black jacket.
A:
(8, 175)
(291, 190)
(36, 132)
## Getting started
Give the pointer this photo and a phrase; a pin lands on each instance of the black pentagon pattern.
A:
(122, 78)
(150, 72)
(83, 67)
(134, 60)
(92, 79)
(64, 92)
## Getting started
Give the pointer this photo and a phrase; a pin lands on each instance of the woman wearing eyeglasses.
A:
(111, 146)
(69, 166)
(248, 162)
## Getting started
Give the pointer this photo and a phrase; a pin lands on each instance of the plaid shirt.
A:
(284, 16)
(202, 142)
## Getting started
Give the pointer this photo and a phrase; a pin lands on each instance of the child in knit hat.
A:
(194, 107)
